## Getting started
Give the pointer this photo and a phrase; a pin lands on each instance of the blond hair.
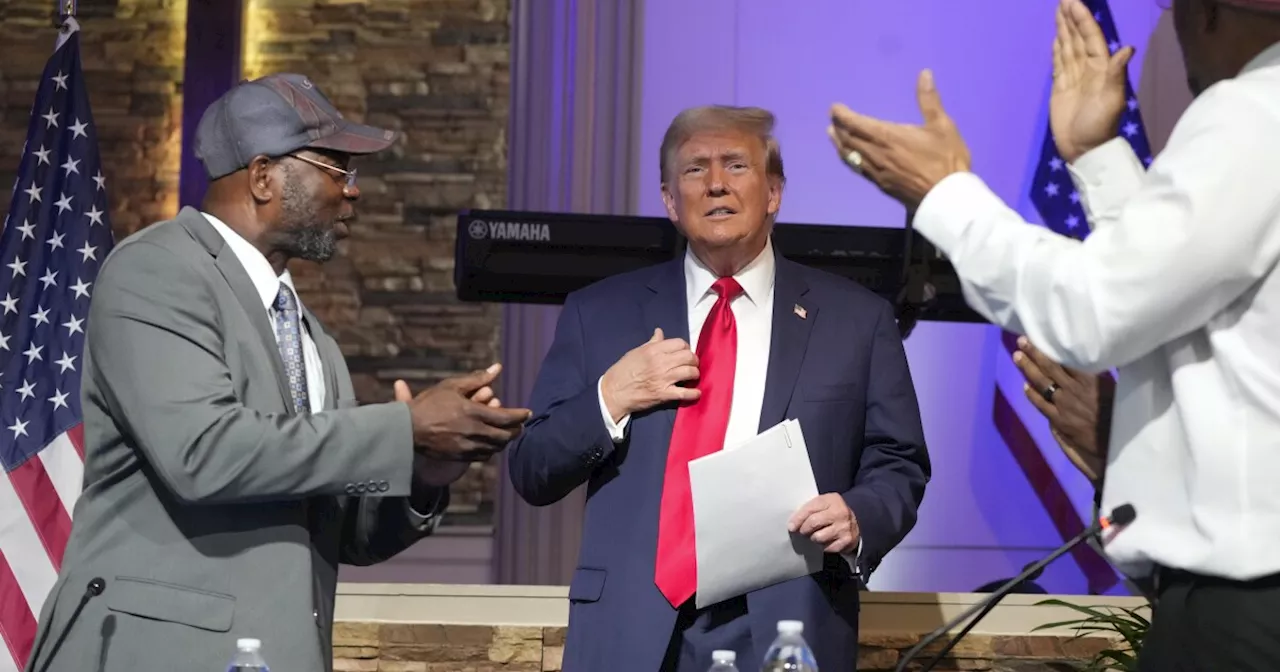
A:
(712, 118)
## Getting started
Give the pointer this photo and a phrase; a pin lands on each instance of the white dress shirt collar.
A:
(264, 277)
(756, 277)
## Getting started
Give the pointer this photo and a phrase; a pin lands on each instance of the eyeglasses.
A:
(350, 174)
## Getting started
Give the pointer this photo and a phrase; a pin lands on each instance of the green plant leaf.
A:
(1137, 617)
(1088, 611)
(1127, 623)
(1111, 659)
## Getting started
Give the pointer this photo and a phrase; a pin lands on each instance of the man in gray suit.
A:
(228, 469)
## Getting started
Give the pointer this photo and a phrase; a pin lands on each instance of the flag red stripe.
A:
(1053, 497)
(76, 434)
(17, 624)
(44, 507)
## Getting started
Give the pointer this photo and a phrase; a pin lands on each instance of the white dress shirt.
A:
(753, 315)
(1175, 288)
(267, 283)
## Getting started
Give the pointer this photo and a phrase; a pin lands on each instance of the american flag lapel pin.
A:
(801, 312)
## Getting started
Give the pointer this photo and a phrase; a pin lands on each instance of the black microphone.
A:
(93, 589)
(1122, 515)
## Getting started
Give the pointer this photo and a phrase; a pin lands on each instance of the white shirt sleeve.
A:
(617, 430)
(1106, 178)
(1198, 232)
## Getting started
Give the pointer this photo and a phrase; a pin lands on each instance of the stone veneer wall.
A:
(395, 647)
(131, 53)
(435, 69)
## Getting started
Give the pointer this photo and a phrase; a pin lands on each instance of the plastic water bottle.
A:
(789, 652)
(248, 657)
(722, 661)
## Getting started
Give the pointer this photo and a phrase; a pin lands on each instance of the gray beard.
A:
(303, 239)
(313, 244)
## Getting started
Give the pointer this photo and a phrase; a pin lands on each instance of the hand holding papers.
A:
(743, 498)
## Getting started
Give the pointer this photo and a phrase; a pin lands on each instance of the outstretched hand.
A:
(1088, 96)
(904, 161)
(460, 419)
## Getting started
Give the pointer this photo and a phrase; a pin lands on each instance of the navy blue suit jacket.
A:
(841, 371)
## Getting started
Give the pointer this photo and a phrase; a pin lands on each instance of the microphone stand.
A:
(1121, 516)
(915, 293)
(91, 590)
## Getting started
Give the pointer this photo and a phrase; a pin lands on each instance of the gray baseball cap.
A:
(275, 115)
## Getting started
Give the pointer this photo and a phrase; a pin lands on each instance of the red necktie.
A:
(699, 430)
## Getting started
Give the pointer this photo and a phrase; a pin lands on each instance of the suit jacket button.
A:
(351, 489)
(360, 487)
(383, 486)
(316, 615)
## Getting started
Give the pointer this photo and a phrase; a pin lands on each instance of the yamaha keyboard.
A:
(538, 257)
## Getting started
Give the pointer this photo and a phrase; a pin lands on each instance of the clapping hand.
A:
(484, 395)
(1077, 405)
(904, 161)
(1088, 96)
(460, 418)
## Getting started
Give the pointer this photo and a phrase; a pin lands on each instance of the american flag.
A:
(55, 236)
(1051, 190)
(1055, 199)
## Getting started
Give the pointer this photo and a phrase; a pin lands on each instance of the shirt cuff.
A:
(1106, 177)
(617, 430)
(432, 518)
(854, 558)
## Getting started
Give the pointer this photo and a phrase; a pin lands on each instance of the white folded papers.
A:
(742, 499)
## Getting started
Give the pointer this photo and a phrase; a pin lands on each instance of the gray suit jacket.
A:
(210, 509)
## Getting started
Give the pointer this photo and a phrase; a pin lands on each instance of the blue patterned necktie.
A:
(289, 338)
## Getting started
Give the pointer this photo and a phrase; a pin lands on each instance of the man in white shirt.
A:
(1174, 287)
(654, 368)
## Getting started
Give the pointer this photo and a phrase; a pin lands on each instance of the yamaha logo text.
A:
(521, 231)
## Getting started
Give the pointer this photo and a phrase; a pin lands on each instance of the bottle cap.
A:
(723, 656)
(249, 643)
(791, 627)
